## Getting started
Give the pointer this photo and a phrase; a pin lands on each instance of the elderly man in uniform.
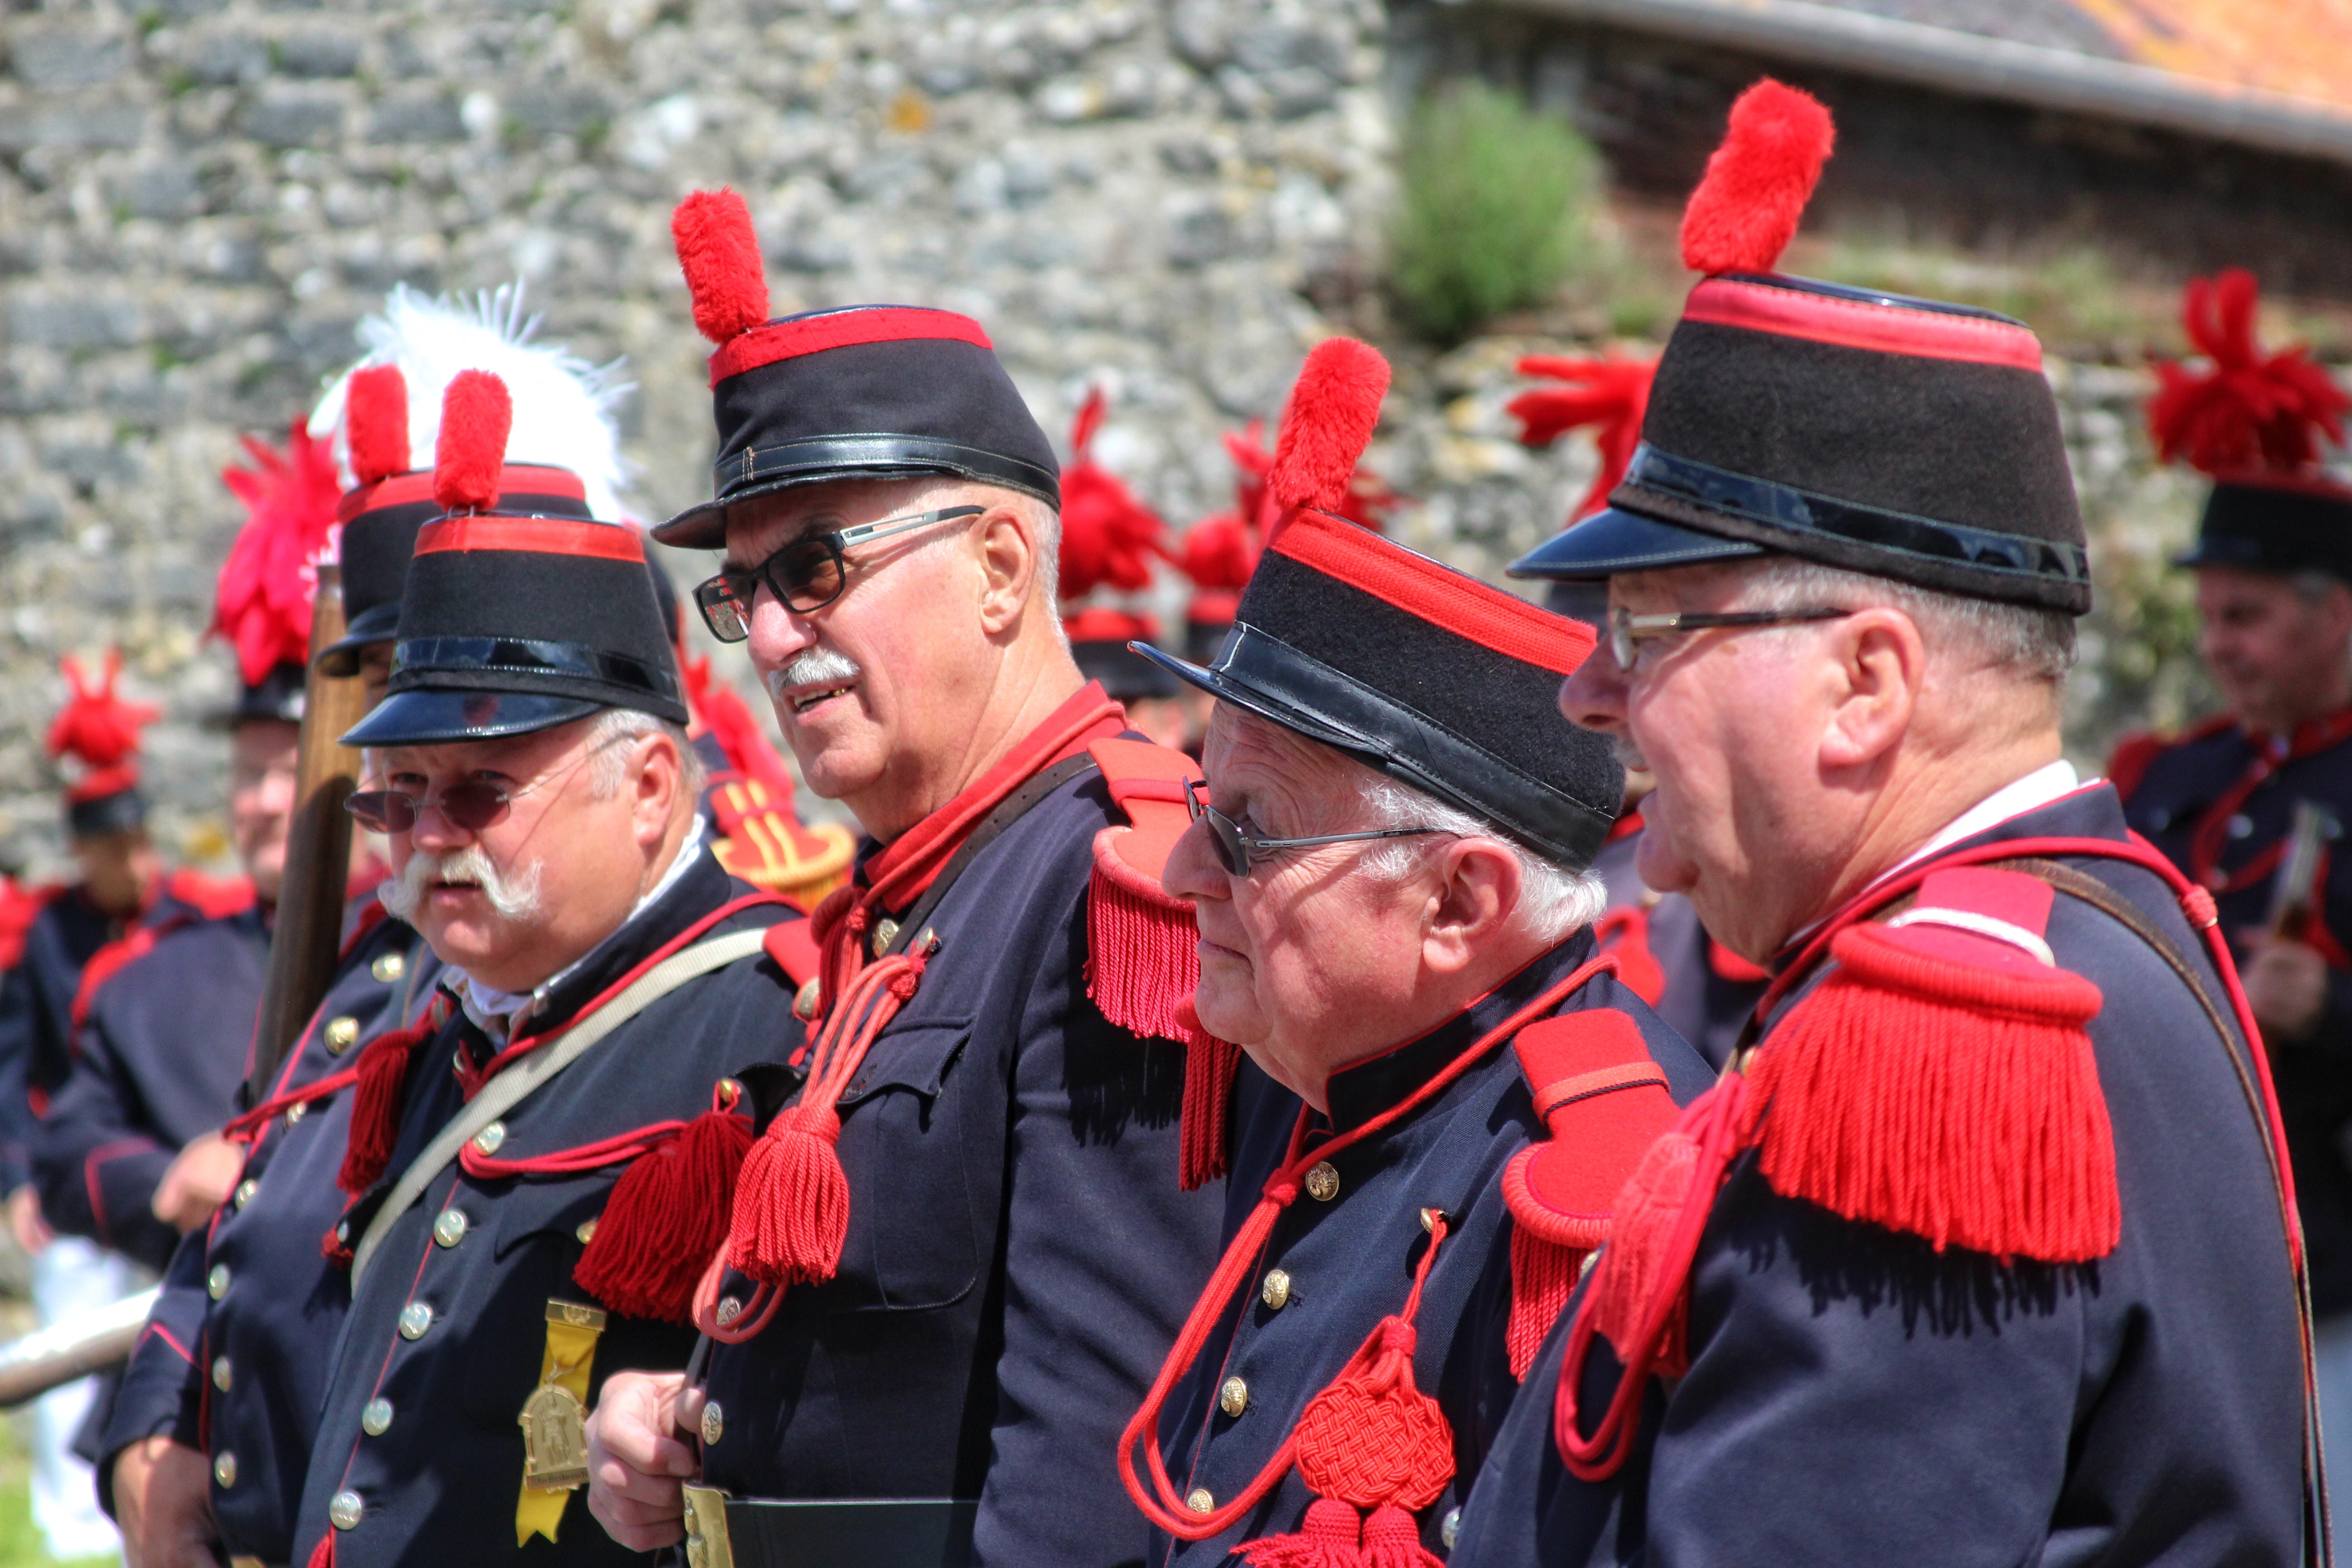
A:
(1926, 1278)
(1390, 867)
(2250, 804)
(1003, 1250)
(601, 971)
(212, 1427)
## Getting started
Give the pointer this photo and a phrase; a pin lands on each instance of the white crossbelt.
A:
(509, 1089)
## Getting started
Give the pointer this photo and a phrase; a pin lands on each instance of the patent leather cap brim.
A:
(431, 717)
(1610, 541)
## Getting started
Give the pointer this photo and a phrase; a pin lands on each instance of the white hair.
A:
(608, 763)
(2032, 641)
(1555, 902)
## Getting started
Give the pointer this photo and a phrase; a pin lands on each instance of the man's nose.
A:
(779, 635)
(434, 832)
(1593, 695)
(1192, 871)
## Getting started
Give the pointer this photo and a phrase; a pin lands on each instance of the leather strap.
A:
(1010, 810)
(511, 1087)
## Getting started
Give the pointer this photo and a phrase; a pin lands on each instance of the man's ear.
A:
(1008, 541)
(1876, 664)
(1479, 887)
(660, 775)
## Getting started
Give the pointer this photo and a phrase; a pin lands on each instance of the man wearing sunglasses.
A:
(953, 1354)
(1927, 1278)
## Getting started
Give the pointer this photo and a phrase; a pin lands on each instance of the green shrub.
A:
(1491, 208)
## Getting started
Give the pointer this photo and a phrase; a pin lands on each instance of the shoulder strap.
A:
(1012, 809)
(512, 1086)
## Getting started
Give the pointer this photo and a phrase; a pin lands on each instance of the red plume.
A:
(2250, 412)
(1108, 535)
(1757, 184)
(96, 725)
(1333, 411)
(720, 254)
(375, 422)
(728, 718)
(262, 601)
(476, 413)
(1611, 395)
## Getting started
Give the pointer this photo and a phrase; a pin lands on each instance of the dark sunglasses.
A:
(1628, 631)
(1237, 852)
(469, 806)
(805, 574)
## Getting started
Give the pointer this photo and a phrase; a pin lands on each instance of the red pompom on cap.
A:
(720, 254)
(2251, 411)
(1757, 182)
(1333, 411)
(476, 412)
(375, 422)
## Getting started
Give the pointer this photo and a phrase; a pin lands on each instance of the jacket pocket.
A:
(905, 1117)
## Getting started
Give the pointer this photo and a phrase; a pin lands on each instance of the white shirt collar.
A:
(2034, 791)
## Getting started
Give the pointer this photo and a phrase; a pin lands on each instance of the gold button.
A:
(376, 1419)
(714, 1422)
(216, 1282)
(1322, 1181)
(389, 966)
(805, 1000)
(729, 1308)
(886, 931)
(415, 1319)
(1429, 1218)
(342, 1034)
(1275, 1292)
(587, 1232)
(221, 1373)
(491, 1139)
(1449, 1528)
(224, 1469)
(1233, 1397)
(245, 1191)
(345, 1510)
(449, 1228)
(296, 1111)
(1201, 1500)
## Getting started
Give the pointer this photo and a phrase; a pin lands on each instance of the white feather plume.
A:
(563, 405)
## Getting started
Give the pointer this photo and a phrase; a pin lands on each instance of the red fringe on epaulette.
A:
(1636, 1268)
(666, 1216)
(376, 1103)
(1950, 1101)
(1543, 1277)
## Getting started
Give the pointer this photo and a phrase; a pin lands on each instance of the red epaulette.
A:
(1624, 932)
(114, 958)
(1143, 958)
(19, 908)
(214, 898)
(1603, 1101)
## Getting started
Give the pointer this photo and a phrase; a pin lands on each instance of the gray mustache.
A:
(816, 667)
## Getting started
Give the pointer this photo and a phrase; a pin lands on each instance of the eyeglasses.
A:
(807, 574)
(1628, 631)
(1236, 851)
(469, 806)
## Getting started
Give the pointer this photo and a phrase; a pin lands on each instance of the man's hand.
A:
(32, 1232)
(2286, 986)
(635, 1460)
(162, 1501)
(198, 1182)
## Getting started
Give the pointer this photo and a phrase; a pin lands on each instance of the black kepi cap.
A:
(1099, 639)
(876, 392)
(1905, 438)
(509, 623)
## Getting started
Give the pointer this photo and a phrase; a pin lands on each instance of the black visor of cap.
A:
(118, 812)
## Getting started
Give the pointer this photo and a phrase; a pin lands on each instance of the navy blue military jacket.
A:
(240, 1372)
(2176, 791)
(449, 1325)
(1349, 1259)
(1856, 1397)
(162, 1053)
(1705, 992)
(1019, 1253)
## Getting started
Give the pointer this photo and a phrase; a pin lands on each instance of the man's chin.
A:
(1227, 1008)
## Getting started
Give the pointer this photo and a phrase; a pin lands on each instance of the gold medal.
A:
(554, 1420)
(555, 1440)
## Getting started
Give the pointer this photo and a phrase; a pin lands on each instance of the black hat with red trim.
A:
(1906, 438)
(871, 392)
(1433, 677)
(2255, 423)
(98, 733)
(512, 623)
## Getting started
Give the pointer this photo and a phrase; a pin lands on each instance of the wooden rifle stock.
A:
(307, 938)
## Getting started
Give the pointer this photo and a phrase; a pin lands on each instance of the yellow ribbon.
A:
(571, 1331)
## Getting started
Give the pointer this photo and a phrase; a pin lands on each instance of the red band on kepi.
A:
(539, 535)
(838, 330)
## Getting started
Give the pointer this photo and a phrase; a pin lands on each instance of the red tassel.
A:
(1334, 408)
(1747, 205)
(720, 253)
(1953, 1100)
(1205, 1141)
(477, 412)
(791, 1201)
(1373, 1437)
(1392, 1540)
(1636, 1268)
(323, 1554)
(375, 422)
(377, 1099)
(1543, 1276)
(668, 1215)
(1331, 1538)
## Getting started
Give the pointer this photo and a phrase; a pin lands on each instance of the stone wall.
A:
(199, 198)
